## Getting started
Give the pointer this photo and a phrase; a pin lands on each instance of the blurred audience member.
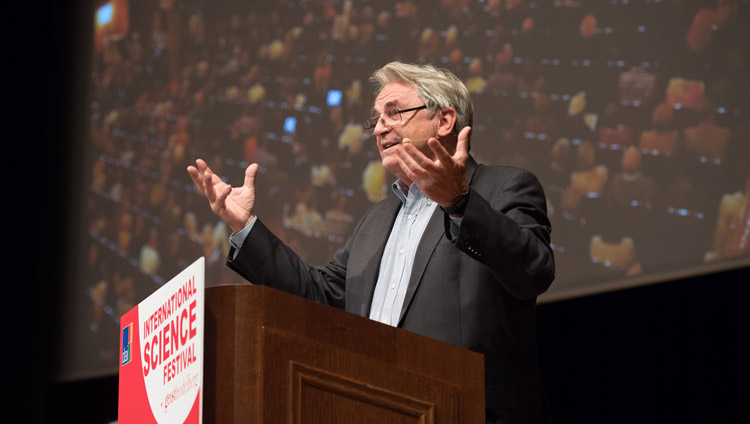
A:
(662, 138)
(707, 139)
(615, 255)
(732, 233)
(306, 219)
(587, 180)
(149, 258)
(338, 221)
(630, 185)
(612, 130)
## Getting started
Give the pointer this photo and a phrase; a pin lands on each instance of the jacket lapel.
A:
(375, 239)
(432, 235)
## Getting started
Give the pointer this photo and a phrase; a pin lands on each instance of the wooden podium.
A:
(271, 357)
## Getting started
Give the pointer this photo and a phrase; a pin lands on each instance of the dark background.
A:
(670, 352)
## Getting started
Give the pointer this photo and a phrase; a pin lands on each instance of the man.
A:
(459, 251)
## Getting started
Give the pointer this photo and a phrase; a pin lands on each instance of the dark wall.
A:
(670, 352)
(43, 95)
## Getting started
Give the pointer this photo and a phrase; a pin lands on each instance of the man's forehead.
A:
(391, 104)
(395, 94)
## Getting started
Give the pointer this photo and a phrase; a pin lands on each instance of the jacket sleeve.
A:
(264, 259)
(505, 227)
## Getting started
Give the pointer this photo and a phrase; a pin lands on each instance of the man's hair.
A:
(438, 88)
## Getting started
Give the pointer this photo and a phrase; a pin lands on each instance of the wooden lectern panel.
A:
(276, 358)
(319, 396)
(343, 387)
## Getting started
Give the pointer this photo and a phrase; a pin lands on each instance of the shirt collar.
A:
(399, 187)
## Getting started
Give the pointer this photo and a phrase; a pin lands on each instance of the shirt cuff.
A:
(236, 240)
(455, 225)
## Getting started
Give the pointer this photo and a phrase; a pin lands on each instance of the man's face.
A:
(414, 125)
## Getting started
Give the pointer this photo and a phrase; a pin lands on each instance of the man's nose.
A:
(381, 127)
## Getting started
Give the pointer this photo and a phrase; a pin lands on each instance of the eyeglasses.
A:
(391, 117)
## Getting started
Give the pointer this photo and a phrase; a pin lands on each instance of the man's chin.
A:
(391, 165)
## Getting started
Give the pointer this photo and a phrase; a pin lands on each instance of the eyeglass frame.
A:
(372, 122)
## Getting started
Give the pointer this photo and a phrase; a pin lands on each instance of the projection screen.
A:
(633, 115)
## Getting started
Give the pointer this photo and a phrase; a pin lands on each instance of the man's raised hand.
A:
(234, 205)
(443, 178)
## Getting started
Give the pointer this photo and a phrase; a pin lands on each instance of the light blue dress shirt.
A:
(398, 256)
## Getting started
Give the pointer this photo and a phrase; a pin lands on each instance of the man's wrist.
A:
(457, 207)
(239, 226)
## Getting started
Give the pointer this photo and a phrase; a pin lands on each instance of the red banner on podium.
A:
(161, 353)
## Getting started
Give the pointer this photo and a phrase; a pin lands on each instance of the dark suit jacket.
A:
(477, 291)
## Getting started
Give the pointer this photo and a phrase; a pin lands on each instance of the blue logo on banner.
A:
(127, 340)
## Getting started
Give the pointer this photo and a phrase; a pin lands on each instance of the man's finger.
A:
(417, 156)
(462, 145)
(202, 165)
(222, 197)
(409, 160)
(197, 178)
(440, 152)
(250, 174)
(210, 190)
(407, 169)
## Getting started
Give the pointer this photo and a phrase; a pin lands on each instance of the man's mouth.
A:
(388, 144)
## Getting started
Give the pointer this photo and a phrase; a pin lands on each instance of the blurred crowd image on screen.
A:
(632, 113)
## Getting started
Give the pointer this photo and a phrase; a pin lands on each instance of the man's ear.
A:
(446, 121)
